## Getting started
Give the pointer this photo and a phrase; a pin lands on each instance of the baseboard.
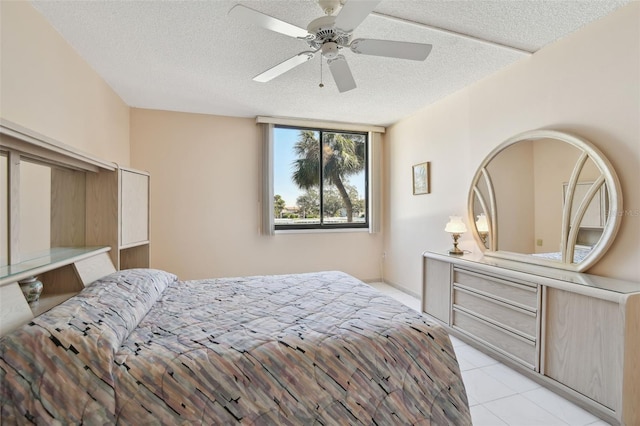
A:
(402, 289)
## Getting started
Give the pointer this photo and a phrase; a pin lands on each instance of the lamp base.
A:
(456, 251)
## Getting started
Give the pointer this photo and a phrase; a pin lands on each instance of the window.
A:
(320, 178)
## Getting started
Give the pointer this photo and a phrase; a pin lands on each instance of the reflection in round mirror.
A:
(545, 197)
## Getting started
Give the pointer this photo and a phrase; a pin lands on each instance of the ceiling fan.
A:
(328, 35)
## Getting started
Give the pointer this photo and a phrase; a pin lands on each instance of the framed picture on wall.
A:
(421, 180)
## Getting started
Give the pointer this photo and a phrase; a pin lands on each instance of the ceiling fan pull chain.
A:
(321, 85)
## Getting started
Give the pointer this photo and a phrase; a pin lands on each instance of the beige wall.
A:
(512, 176)
(587, 83)
(46, 87)
(205, 186)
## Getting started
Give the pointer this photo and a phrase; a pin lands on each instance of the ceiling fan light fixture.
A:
(330, 50)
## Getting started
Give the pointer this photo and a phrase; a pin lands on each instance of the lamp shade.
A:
(481, 223)
(455, 225)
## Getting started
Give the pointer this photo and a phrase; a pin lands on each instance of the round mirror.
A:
(545, 197)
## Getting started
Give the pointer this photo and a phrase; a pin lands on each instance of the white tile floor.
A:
(500, 396)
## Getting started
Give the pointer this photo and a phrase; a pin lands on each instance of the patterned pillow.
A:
(126, 296)
(70, 350)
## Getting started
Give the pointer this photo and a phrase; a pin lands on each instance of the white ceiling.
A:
(190, 56)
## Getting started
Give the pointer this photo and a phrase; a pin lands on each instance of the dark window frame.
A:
(333, 226)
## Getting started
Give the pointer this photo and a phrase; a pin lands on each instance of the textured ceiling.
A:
(190, 56)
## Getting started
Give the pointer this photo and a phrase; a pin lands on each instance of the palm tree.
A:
(278, 205)
(342, 156)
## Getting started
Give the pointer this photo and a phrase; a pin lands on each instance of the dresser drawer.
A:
(507, 291)
(517, 348)
(518, 320)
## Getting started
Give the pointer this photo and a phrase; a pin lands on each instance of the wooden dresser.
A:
(575, 333)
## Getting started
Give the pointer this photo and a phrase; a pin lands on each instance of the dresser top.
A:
(522, 270)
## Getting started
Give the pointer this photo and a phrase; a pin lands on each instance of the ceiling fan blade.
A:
(283, 67)
(391, 49)
(341, 73)
(353, 13)
(265, 21)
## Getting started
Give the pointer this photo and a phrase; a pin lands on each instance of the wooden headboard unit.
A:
(86, 213)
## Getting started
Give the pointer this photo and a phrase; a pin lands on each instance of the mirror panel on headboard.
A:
(549, 198)
(4, 205)
(35, 209)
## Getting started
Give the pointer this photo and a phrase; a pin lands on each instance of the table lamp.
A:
(483, 227)
(455, 227)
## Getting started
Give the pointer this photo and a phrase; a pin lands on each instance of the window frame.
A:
(321, 226)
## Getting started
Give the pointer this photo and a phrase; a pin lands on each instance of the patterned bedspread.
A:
(140, 347)
(579, 254)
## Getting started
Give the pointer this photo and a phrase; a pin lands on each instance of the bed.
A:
(141, 347)
(579, 253)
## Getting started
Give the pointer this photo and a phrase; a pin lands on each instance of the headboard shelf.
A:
(64, 272)
(47, 260)
(38, 146)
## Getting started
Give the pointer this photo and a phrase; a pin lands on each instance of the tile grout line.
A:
(519, 394)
